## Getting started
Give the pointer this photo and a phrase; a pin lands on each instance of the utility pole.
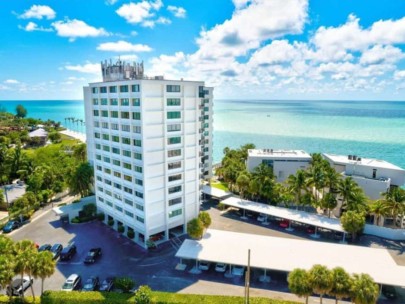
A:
(247, 280)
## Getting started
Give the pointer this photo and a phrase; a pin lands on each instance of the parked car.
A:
(56, 250)
(220, 267)
(311, 229)
(284, 224)
(92, 255)
(262, 217)
(72, 283)
(10, 226)
(45, 247)
(91, 284)
(107, 284)
(389, 291)
(68, 252)
(204, 265)
(19, 285)
(238, 271)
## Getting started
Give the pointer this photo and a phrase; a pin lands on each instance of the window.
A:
(175, 213)
(136, 129)
(136, 102)
(125, 128)
(106, 137)
(174, 128)
(124, 89)
(97, 135)
(100, 199)
(175, 165)
(173, 101)
(138, 182)
(109, 203)
(106, 159)
(113, 89)
(126, 140)
(114, 114)
(114, 126)
(98, 146)
(99, 168)
(127, 166)
(129, 213)
(135, 88)
(175, 201)
(96, 124)
(137, 155)
(114, 102)
(128, 190)
(103, 90)
(106, 148)
(95, 101)
(116, 151)
(138, 169)
(139, 194)
(128, 202)
(125, 115)
(174, 153)
(173, 178)
(117, 174)
(126, 153)
(140, 219)
(107, 170)
(136, 115)
(174, 140)
(98, 156)
(124, 101)
(174, 189)
(137, 142)
(96, 113)
(115, 138)
(104, 125)
(107, 181)
(116, 162)
(173, 115)
(128, 178)
(94, 90)
(118, 208)
(118, 186)
(173, 88)
(104, 101)
(139, 207)
(104, 113)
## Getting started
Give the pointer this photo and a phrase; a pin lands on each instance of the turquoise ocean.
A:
(373, 129)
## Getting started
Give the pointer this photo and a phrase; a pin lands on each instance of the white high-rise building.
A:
(150, 142)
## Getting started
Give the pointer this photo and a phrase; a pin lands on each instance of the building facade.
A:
(372, 175)
(150, 142)
(283, 162)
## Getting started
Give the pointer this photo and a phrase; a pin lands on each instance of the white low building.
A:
(283, 162)
(372, 175)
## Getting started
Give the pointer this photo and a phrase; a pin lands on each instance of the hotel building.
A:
(150, 143)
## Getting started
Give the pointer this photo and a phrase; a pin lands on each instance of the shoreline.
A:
(74, 134)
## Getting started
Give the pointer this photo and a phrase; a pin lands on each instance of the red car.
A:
(311, 229)
(284, 224)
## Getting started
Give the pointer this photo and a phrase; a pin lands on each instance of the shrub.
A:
(111, 222)
(121, 228)
(130, 233)
(150, 244)
(76, 201)
(221, 206)
(143, 295)
(101, 216)
(124, 283)
(89, 210)
(75, 220)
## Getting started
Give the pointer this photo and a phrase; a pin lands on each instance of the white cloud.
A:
(111, 2)
(76, 28)
(72, 78)
(380, 54)
(123, 46)
(140, 12)
(11, 81)
(163, 20)
(39, 12)
(134, 33)
(32, 26)
(177, 11)
(399, 75)
(88, 68)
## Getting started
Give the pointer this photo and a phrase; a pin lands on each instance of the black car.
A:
(68, 252)
(91, 284)
(92, 255)
(56, 250)
(45, 247)
(389, 291)
(107, 284)
(18, 286)
(10, 226)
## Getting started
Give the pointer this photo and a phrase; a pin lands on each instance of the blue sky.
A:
(250, 49)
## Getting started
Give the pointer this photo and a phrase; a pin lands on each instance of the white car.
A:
(19, 285)
(204, 265)
(262, 217)
(220, 267)
(238, 271)
(72, 283)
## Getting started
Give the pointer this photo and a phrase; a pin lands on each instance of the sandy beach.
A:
(77, 135)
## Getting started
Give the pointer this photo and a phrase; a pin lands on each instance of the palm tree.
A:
(297, 184)
(6, 271)
(348, 190)
(25, 251)
(329, 202)
(379, 208)
(243, 183)
(44, 267)
(299, 283)
(341, 283)
(364, 290)
(6, 245)
(316, 181)
(81, 179)
(321, 280)
(80, 152)
(395, 200)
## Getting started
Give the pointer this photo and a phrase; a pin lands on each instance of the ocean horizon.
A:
(373, 129)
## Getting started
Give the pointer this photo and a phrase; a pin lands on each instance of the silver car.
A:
(19, 285)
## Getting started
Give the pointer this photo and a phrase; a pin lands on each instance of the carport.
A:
(288, 214)
(215, 192)
(273, 253)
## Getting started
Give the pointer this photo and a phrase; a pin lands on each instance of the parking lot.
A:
(155, 268)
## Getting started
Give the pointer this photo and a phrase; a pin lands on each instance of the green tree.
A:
(379, 208)
(25, 252)
(55, 137)
(6, 245)
(316, 181)
(341, 284)
(143, 295)
(195, 228)
(124, 283)
(6, 271)
(321, 280)
(80, 152)
(81, 180)
(21, 112)
(44, 267)
(297, 184)
(364, 290)
(205, 219)
(395, 200)
(242, 182)
(299, 283)
(349, 191)
(329, 202)
(353, 222)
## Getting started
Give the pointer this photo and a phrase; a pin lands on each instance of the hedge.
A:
(27, 299)
(76, 297)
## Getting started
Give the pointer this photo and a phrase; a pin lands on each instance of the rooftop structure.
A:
(121, 70)
(283, 162)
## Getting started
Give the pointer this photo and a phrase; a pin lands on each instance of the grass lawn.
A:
(219, 185)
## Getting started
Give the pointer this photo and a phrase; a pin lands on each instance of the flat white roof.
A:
(279, 154)
(38, 133)
(289, 214)
(215, 192)
(287, 254)
(369, 162)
